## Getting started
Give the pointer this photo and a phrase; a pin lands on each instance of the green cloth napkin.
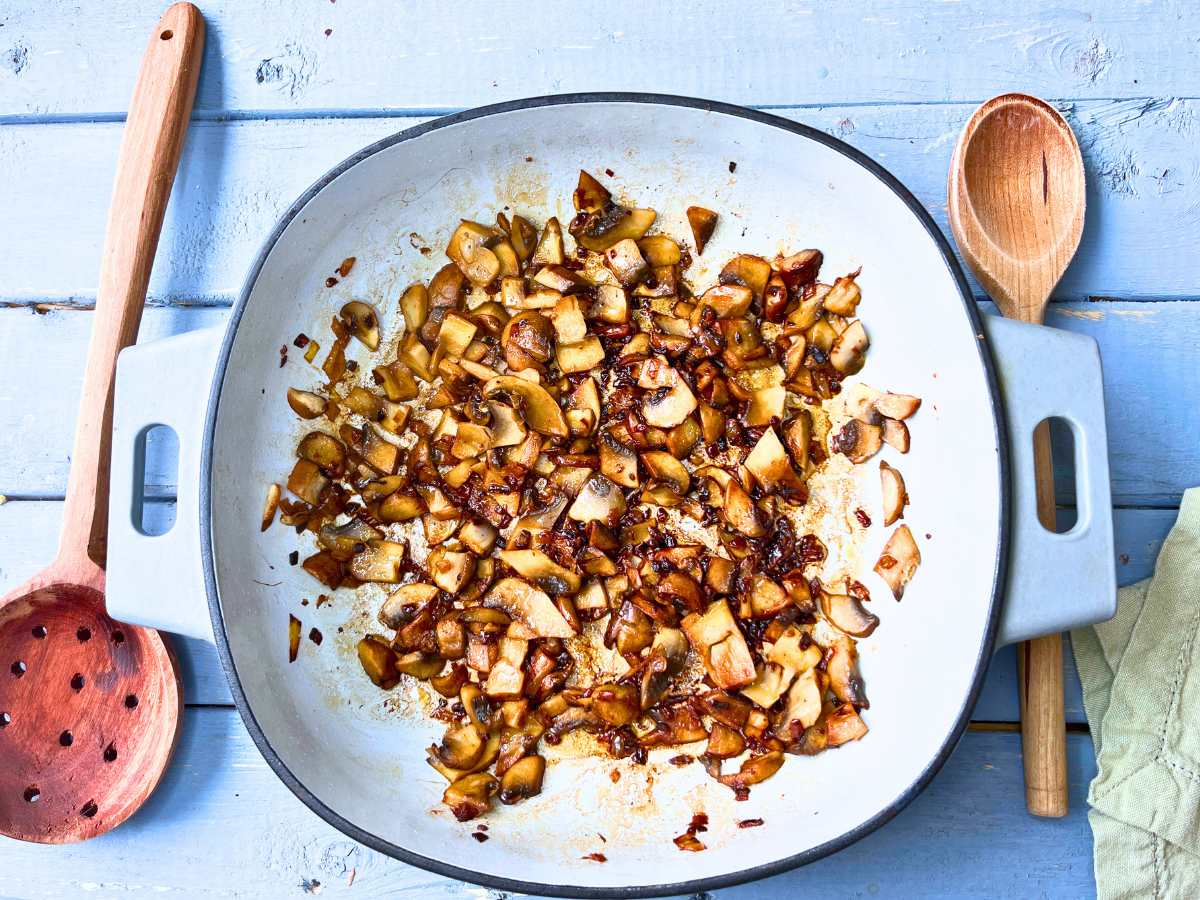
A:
(1141, 689)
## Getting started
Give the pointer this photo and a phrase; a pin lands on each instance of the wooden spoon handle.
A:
(1040, 676)
(150, 149)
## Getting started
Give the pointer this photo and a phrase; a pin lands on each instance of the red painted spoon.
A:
(89, 708)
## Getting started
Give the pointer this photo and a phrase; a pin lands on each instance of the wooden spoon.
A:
(1016, 192)
(89, 708)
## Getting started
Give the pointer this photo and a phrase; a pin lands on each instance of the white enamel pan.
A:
(991, 574)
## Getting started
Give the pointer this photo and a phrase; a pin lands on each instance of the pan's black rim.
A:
(657, 890)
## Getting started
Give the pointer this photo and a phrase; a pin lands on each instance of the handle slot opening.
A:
(155, 473)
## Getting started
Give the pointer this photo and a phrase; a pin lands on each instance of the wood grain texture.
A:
(29, 529)
(222, 825)
(237, 178)
(113, 690)
(1148, 352)
(1016, 204)
(304, 57)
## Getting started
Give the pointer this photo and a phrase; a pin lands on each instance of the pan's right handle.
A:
(158, 581)
(1056, 582)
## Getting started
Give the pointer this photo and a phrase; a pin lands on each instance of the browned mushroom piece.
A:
(270, 505)
(468, 249)
(506, 679)
(549, 249)
(414, 305)
(532, 607)
(522, 780)
(715, 637)
(704, 223)
(747, 270)
(799, 268)
(843, 298)
(727, 301)
(768, 462)
(378, 660)
(402, 603)
(843, 725)
(899, 560)
(363, 322)
(848, 614)
(461, 746)
(323, 450)
(667, 469)
(306, 404)
(894, 495)
(724, 742)
(471, 796)
(895, 434)
(841, 664)
(535, 566)
(767, 598)
(754, 770)
(857, 440)
(625, 260)
(797, 431)
(528, 341)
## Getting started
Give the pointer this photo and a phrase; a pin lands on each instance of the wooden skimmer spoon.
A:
(1016, 204)
(89, 708)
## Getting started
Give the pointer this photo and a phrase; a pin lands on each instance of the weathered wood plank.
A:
(380, 55)
(1148, 352)
(222, 825)
(236, 178)
(29, 536)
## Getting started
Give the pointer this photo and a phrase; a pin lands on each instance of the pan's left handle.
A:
(158, 581)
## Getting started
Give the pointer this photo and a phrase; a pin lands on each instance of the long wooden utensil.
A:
(1016, 204)
(89, 708)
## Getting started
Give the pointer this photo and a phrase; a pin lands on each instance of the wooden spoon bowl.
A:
(89, 708)
(1017, 197)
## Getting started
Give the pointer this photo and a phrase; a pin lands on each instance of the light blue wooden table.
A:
(290, 88)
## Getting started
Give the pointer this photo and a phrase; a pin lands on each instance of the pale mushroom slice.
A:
(738, 509)
(507, 429)
(858, 441)
(895, 434)
(450, 569)
(848, 614)
(395, 610)
(598, 501)
(541, 411)
(894, 495)
(306, 404)
(715, 637)
(625, 260)
(538, 567)
(530, 606)
(666, 407)
(859, 401)
(363, 322)
(270, 505)
(769, 464)
(667, 469)
(802, 706)
(841, 665)
(768, 685)
(899, 560)
(897, 406)
(848, 353)
(506, 679)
